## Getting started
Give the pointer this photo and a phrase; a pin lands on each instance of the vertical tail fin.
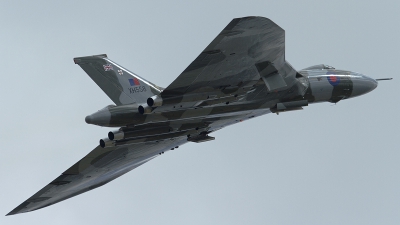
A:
(122, 86)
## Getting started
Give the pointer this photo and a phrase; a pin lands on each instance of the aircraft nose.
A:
(363, 85)
(88, 119)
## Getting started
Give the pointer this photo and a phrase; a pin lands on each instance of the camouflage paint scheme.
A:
(240, 75)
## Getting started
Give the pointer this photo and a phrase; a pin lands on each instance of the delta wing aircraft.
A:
(240, 75)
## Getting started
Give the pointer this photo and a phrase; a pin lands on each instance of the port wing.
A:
(97, 168)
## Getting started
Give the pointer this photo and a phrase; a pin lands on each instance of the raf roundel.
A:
(334, 80)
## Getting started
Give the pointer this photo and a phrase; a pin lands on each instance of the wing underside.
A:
(103, 165)
(94, 170)
(248, 49)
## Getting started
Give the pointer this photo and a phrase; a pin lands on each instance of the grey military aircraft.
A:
(240, 75)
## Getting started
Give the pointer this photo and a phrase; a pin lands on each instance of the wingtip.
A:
(19, 209)
(11, 213)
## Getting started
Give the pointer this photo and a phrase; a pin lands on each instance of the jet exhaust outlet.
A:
(144, 109)
(155, 101)
(116, 135)
(105, 142)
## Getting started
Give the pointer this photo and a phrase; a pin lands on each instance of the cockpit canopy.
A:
(320, 67)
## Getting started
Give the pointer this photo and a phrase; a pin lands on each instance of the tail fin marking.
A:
(121, 85)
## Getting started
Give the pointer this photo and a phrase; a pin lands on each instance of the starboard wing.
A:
(248, 49)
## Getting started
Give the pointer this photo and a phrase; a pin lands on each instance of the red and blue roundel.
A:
(334, 80)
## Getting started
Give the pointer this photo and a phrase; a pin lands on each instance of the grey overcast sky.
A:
(327, 164)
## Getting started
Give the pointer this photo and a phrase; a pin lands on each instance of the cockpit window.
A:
(320, 67)
(329, 67)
